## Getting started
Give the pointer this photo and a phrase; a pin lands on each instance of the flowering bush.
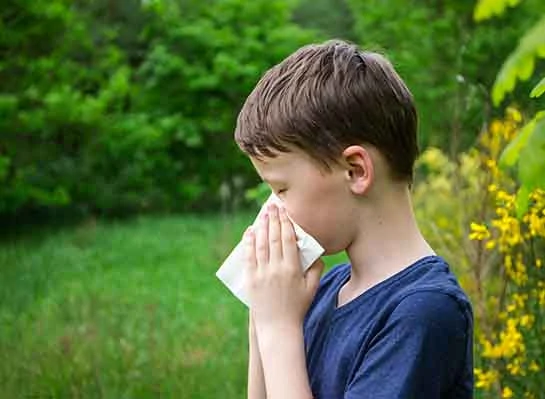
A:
(513, 349)
(498, 256)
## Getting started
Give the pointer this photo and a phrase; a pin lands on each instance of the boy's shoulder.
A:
(426, 289)
(416, 325)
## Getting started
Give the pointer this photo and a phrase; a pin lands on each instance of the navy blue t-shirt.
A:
(409, 336)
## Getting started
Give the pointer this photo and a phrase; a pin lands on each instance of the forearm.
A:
(256, 380)
(284, 363)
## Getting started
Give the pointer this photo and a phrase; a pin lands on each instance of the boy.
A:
(332, 130)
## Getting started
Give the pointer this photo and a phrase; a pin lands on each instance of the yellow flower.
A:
(491, 351)
(507, 393)
(519, 299)
(527, 320)
(536, 224)
(485, 379)
(505, 197)
(479, 232)
(490, 244)
(496, 127)
(491, 164)
(533, 366)
(510, 343)
(514, 367)
(508, 262)
(541, 298)
(513, 114)
(434, 159)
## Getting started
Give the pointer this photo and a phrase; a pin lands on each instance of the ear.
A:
(360, 171)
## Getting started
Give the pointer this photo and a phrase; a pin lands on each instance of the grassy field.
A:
(128, 309)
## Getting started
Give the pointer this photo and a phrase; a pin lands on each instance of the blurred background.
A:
(122, 190)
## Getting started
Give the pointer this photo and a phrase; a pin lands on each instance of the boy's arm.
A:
(256, 379)
(283, 357)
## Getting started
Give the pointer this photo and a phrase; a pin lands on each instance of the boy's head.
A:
(326, 97)
(328, 122)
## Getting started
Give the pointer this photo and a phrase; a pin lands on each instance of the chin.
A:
(331, 251)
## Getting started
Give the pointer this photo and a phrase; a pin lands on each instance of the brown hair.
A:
(325, 97)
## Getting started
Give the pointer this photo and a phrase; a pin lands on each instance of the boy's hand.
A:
(280, 293)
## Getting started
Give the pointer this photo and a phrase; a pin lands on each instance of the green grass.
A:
(127, 309)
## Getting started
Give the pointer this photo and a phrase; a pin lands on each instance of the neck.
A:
(387, 242)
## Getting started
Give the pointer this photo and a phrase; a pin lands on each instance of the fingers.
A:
(249, 238)
(289, 240)
(275, 238)
(262, 241)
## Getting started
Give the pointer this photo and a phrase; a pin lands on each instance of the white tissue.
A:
(231, 272)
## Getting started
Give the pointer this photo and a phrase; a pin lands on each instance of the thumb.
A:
(314, 273)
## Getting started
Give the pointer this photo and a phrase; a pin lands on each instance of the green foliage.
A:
(521, 63)
(488, 8)
(527, 151)
(539, 89)
(130, 105)
(330, 18)
(444, 57)
(531, 163)
(512, 152)
(405, 35)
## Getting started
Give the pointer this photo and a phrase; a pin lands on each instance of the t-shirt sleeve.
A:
(419, 351)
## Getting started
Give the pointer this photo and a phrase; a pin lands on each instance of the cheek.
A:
(320, 217)
(299, 215)
(312, 218)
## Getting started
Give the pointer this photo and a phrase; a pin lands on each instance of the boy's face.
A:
(320, 202)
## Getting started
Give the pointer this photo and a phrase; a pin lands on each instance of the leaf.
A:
(520, 64)
(539, 89)
(527, 150)
(531, 164)
(510, 154)
(488, 8)
(522, 201)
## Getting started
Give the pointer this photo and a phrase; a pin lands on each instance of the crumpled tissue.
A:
(232, 274)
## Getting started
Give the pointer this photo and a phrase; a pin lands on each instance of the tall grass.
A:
(127, 309)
